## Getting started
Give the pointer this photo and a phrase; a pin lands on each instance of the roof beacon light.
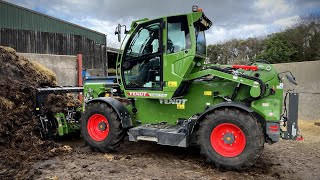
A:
(194, 8)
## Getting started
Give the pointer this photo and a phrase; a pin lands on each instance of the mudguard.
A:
(225, 104)
(121, 110)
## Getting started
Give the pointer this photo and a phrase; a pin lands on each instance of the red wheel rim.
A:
(98, 127)
(228, 140)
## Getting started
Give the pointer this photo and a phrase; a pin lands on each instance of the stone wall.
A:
(65, 67)
(307, 75)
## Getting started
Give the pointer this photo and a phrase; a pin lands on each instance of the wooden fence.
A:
(26, 41)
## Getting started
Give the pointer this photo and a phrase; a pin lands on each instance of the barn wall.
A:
(26, 41)
(16, 17)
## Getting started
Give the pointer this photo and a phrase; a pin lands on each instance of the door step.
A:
(172, 135)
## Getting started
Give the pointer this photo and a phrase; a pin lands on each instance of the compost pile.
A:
(58, 102)
(19, 141)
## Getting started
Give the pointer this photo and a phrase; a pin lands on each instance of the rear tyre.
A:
(101, 127)
(231, 139)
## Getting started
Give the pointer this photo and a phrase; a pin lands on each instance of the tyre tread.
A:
(118, 132)
(250, 122)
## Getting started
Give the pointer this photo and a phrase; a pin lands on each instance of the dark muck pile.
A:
(58, 102)
(19, 141)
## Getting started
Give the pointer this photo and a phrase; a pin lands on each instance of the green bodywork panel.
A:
(270, 105)
(203, 94)
(94, 89)
(208, 85)
(196, 102)
(254, 90)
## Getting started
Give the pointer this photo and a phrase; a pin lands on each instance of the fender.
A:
(225, 104)
(121, 110)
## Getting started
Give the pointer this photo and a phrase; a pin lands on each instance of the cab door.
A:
(178, 48)
(142, 60)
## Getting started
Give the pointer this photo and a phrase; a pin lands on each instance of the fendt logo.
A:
(146, 94)
(138, 94)
(173, 101)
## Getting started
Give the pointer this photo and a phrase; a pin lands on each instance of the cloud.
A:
(273, 8)
(233, 19)
(287, 21)
(104, 26)
(219, 34)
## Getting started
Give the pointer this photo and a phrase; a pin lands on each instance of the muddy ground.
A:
(144, 160)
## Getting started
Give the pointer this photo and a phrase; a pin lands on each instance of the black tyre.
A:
(101, 127)
(231, 139)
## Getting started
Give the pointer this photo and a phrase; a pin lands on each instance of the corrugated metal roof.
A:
(16, 17)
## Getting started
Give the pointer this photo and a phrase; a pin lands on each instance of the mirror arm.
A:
(118, 31)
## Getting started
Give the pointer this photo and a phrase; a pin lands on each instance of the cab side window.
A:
(201, 46)
(178, 34)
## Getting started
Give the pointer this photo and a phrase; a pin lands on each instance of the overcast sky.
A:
(231, 18)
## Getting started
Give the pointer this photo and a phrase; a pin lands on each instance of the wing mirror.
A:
(118, 31)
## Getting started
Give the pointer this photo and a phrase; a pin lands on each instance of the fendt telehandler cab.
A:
(166, 94)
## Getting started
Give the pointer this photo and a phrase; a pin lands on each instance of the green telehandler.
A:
(167, 94)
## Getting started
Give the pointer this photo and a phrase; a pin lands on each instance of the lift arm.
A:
(257, 86)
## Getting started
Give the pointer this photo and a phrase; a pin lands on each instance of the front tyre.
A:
(231, 139)
(101, 127)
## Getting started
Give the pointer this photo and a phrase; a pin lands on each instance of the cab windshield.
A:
(144, 42)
